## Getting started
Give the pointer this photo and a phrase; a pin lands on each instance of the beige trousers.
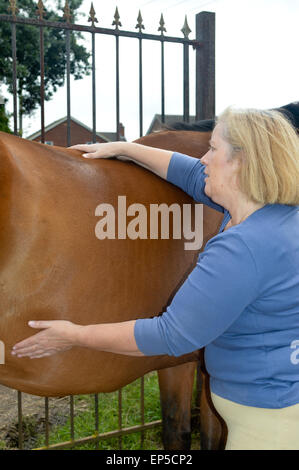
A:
(251, 428)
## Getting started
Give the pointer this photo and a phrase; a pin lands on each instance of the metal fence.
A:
(97, 436)
(204, 47)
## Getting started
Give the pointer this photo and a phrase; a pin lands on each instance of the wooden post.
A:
(205, 65)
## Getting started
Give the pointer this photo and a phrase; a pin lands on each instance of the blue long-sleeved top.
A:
(240, 302)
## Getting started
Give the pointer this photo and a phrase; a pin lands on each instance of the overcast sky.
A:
(256, 60)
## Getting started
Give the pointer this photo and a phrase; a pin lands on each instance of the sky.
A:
(256, 61)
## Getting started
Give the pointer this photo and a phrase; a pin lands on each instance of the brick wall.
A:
(58, 135)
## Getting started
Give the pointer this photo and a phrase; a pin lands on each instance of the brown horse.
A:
(52, 266)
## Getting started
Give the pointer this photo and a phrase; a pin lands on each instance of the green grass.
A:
(84, 421)
(2, 445)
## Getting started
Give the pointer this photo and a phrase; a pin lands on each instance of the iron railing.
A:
(204, 44)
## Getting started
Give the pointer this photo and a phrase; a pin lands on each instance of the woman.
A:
(241, 301)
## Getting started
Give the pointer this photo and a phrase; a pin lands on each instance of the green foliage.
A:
(4, 120)
(3, 445)
(28, 54)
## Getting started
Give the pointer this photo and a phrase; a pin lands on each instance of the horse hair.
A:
(290, 111)
(205, 125)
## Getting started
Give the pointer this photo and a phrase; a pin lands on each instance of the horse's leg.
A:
(213, 429)
(176, 385)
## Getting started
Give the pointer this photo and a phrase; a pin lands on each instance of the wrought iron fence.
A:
(204, 46)
(97, 436)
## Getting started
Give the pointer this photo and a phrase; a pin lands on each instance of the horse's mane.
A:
(290, 111)
(205, 125)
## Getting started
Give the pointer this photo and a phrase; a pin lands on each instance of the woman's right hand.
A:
(153, 159)
(105, 150)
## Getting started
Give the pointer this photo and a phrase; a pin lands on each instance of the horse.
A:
(52, 266)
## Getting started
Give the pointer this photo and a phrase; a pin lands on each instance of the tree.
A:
(4, 120)
(28, 55)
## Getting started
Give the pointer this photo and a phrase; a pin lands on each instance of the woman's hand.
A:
(153, 159)
(57, 336)
(105, 150)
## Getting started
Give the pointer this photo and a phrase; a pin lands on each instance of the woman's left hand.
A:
(57, 336)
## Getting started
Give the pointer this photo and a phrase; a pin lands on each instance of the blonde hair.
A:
(268, 147)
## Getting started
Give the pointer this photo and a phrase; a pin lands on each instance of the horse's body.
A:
(52, 266)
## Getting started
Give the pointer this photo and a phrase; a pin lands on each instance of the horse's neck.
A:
(192, 143)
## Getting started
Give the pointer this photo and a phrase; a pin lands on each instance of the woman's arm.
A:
(117, 338)
(220, 287)
(184, 171)
(155, 160)
(59, 335)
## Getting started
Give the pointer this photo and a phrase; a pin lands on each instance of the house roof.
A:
(107, 136)
(169, 119)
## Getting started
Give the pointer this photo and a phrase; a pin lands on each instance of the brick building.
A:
(56, 133)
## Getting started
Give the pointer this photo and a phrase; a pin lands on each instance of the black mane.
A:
(290, 111)
(205, 125)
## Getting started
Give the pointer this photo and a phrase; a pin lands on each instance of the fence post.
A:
(205, 65)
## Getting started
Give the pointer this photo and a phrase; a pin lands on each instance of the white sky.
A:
(256, 61)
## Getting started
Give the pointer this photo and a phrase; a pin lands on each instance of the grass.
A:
(2, 445)
(84, 421)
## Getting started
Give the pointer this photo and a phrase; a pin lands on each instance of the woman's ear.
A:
(238, 160)
(237, 165)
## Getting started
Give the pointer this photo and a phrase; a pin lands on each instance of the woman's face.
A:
(221, 171)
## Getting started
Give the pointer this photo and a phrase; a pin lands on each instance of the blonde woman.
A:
(241, 301)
